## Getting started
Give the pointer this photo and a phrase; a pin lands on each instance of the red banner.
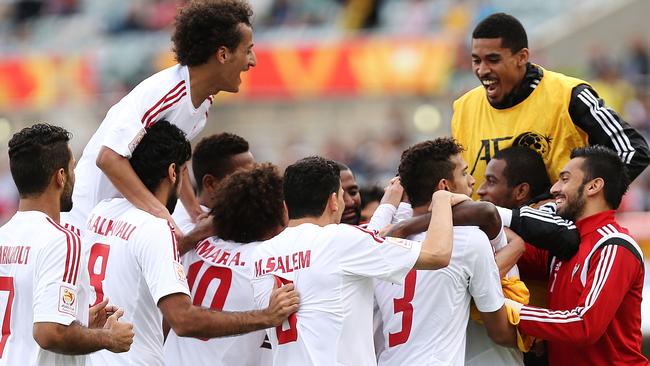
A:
(368, 67)
(44, 80)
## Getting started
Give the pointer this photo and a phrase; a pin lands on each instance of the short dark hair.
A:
(162, 145)
(308, 183)
(35, 154)
(212, 156)
(370, 194)
(249, 204)
(342, 166)
(202, 26)
(603, 162)
(525, 165)
(504, 26)
(423, 166)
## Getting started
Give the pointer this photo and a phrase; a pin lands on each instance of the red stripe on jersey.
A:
(72, 228)
(376, 238)
(174, 246)
(161, 100)
(152, 120)
(73, 254)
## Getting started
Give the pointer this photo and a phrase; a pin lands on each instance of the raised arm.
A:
(119, 171)
(468, 213)
(605, 127)
(438, 242)
(545, 231)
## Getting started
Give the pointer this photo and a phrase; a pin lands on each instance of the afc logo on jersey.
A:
(68, 300)
(540, 143)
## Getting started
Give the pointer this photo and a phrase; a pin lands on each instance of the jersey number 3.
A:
(403, 305)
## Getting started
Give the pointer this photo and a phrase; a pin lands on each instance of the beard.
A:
(353, 220)
(573, 207)
(66, 196)
(172, 199)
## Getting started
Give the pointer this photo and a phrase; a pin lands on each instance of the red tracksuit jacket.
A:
(594, 298)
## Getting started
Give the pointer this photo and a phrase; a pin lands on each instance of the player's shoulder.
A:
(51, 231)
(613, 234)
(354, 232)
(477, 92)
(472, 238)
(167, 84)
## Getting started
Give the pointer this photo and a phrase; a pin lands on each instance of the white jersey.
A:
(332, 268)
(134, 262)
(219, 276)
(42, 279)
(163, 96)
(425, 319)
(480, 349)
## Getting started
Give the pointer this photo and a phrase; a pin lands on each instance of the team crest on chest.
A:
(575, 270)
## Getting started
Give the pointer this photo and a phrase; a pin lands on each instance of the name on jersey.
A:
(18, 254)
(284, 264)
(208, 252)
(108, 227)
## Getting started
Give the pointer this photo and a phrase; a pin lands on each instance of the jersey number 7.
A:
(6, 284)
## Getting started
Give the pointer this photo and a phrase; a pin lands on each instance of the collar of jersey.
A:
(592, 223)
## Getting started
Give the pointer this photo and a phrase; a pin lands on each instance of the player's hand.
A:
(98, 314)
(393, 192)
(284, 302)
(204, 227)
(121, 334)
(163, 213)
(196, 214)
(453, 198)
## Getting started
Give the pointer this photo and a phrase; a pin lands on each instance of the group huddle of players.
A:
(118, 260)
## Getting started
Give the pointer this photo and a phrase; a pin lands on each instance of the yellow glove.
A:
(524, 342)
(513, 288)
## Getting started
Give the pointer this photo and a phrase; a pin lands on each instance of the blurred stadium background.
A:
(354, 80)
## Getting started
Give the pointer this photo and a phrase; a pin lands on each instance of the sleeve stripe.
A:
(605, 264)
(603, 269)
(73, 254)
(610, 125)
(615, 123)
(152, 119)
(174, 246)
(379, 240)
(546, 217)
(146, 115)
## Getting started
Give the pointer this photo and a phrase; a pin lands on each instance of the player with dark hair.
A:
(333, 266)
(140, 262)
(520, 103)
(248, 208)
(213, 42)
(45, 316)
(439, 301)
(214, 158)
(351, 196)
(515, 176)
(370, 199)
(594, 298)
